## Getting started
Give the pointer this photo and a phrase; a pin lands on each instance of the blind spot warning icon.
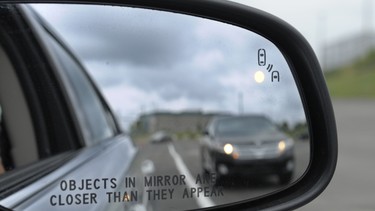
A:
(262, 57)
(269, 67)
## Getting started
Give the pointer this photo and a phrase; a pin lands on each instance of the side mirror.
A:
(158, 61)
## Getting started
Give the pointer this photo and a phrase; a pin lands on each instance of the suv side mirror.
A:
(234, 60)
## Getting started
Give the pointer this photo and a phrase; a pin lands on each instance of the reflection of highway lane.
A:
(302, 153)
(165, 164)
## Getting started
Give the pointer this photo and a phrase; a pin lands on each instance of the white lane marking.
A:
(147, 168)
(201, 201)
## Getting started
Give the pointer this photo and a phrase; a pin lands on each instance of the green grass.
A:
(353, 81)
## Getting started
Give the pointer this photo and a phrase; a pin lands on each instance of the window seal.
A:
(14, 180)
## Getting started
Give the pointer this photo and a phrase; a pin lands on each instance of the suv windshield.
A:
(243, 126)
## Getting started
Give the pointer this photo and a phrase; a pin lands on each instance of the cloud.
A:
(118, 35)
(157, 60)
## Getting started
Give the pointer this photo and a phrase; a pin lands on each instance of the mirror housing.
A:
(309, 79)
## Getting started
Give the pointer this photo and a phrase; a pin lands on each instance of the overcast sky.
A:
(147, 61)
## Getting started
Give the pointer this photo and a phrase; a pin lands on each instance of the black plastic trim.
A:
(9, 38)
(308, 76)
(44, 98)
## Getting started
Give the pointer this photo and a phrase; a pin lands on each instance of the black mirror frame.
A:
(306, 71)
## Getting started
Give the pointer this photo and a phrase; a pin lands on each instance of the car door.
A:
(71, 135)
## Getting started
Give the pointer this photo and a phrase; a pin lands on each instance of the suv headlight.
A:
(285, 144)
(228, 149)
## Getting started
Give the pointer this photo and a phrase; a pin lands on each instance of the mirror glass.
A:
(212, 109)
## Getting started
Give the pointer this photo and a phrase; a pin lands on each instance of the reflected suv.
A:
(248, 145)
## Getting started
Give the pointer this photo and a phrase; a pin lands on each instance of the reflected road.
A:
(182, 157)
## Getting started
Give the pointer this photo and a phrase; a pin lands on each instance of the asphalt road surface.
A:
(180, 160)
(353, 185)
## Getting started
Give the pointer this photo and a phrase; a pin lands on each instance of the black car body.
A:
(247, 145)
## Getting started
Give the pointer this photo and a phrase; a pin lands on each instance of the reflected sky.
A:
(147, 61)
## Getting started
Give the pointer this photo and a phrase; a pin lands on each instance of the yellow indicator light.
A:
(235, 155)
(282, 146)
(228, 149)
(259, 77)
